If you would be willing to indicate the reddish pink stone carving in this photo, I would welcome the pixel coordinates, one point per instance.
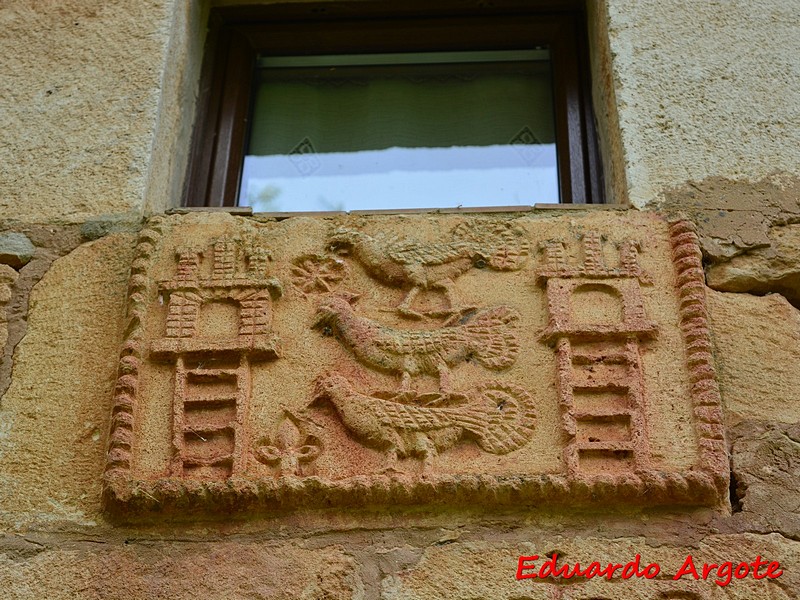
(499, 417)
(212, 376)
(417, 266)
(487, 335)
(599, 359)
(206, 419)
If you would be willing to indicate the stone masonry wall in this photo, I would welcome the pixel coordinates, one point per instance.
(97, 107)
(697, 109)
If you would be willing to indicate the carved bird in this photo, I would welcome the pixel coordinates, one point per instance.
(500, 418)
(488, 336)
(418, 266)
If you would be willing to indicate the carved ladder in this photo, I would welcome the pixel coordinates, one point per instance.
(208, 418)
(608, 423)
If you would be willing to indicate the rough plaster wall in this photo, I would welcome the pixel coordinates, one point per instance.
(705, 88)
(81, 82)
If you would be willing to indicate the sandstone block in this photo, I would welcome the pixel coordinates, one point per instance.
(73, 151)
(734, 217)
(181, 571)
(54, 417)
(775, 268)
(766, 470)
(697, 122)
(757, 347)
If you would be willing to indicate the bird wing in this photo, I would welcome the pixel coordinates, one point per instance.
(408, 252)
(413, 418)
(434, 342)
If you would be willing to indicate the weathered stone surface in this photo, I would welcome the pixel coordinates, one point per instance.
(757, 350)
(51, 243)
(766, 472)
(15, 547)
(415, 360)
(775, 268)
(684, 122)
(16, 249)
(81, 116)
(734, 217)
(95, 229)
(181, 571)
(484, 570)
(54, 417)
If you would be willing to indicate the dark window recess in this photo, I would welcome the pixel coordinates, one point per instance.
(344, 106)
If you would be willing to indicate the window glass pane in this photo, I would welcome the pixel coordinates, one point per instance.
(379, 131)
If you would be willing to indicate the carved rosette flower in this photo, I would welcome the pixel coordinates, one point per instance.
(317, 274)
(291, 446)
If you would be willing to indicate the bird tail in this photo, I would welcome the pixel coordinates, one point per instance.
(502, 418)
(501, 244)
(492, 336)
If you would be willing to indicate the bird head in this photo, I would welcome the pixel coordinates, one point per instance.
(330, 386)
(332, 308)
(343, 240)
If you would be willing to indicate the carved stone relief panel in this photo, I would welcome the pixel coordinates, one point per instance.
(415, 359)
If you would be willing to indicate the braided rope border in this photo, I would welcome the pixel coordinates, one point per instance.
(185, 499)
(116, 478)
(705, 394)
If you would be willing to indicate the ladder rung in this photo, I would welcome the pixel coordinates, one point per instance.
(600, 386)
(209, 428)
(606, 446)
(222, 399)
(603, 414)
(209, 461)
(213, 373)
(600, 359)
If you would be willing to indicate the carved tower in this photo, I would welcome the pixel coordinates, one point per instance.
(597, 323)
(217, 324)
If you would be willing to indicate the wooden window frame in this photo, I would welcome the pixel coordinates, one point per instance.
(237, 35)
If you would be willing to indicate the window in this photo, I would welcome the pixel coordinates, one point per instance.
(344, 106)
